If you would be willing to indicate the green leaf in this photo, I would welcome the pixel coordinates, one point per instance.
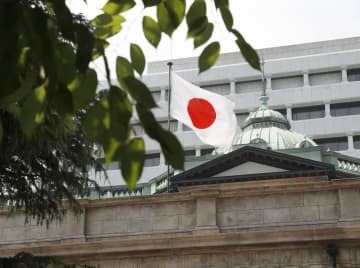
(149, 3)
(120, 113)
(132, 161)
(107, 25)
(111, 147)
(32, 114)
(113, 7)
(227, 17)
(99, 47)
(83, 88)
(123, 68)
(62, 101)
(151, 30)
(209, 56)
(137, 58)
(164, 19)
(221, 3)
(196, 18)
(170, 14)
(138, 90)
(65, 63)
(204, 36)
(198, 27)
(247, 51)
(94, 122)
(25, 87)
(170, 146)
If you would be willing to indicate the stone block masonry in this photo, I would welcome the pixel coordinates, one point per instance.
(259, 224)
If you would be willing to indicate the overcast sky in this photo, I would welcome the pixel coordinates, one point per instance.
(264, 23)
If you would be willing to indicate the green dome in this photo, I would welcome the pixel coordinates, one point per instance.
(271, 128)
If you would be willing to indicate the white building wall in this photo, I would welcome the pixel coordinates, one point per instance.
(297, 76)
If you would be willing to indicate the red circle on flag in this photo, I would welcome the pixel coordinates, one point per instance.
(201, 112)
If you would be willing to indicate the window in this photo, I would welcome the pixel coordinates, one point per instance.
(287, 82)
(248, 86)
(173, 125)
(189, 153)
(310, 112)
(138, 129)
(356, 142)
(112, 166)
(333, 144)
(241, 117)
(186, 128)
(342, 109)
(222, 89)
(325, 78)
(353, 74)
(152, 160)
(156, 95)
(206, 151)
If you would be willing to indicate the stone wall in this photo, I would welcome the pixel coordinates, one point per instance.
(261, 224)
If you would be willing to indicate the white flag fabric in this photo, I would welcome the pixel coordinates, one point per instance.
(210, 115)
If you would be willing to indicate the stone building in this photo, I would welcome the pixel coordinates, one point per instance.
(277, 200)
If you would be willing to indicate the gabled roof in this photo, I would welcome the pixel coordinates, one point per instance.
(252, 163)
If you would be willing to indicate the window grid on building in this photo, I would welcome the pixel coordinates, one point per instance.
(309, 112)
(152, 160)
(353, 74)
(343, 109)
(221, 89)
(356, 140)
(287, 82)
(333, 144)
(325, 78)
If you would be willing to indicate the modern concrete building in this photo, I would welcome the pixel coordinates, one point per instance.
(316, 86)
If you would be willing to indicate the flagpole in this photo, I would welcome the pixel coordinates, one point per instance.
(169, 104)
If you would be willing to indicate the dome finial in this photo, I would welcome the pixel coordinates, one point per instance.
(264, 97)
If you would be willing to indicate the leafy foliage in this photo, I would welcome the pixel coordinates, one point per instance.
(38, 174)
(47, 81)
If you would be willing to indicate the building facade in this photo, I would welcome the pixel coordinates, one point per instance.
(316, 86)
(277, 200)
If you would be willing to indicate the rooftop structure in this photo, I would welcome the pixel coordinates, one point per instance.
(314, 86)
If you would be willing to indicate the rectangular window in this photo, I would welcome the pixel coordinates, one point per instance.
(241, 117)
(173, 125)
(287, 82)
(152, 160)
(221, 89)
(353, 74)
(333, 144)
(138, 129)
(356, 142)
(343, 109)
(325, 78)
(189, 153)
(156, 95)
(248, 86)
(206, 151)
(113, 165)
(310, 112)
(186, 128)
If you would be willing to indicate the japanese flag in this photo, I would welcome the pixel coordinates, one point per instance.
(210, 115)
